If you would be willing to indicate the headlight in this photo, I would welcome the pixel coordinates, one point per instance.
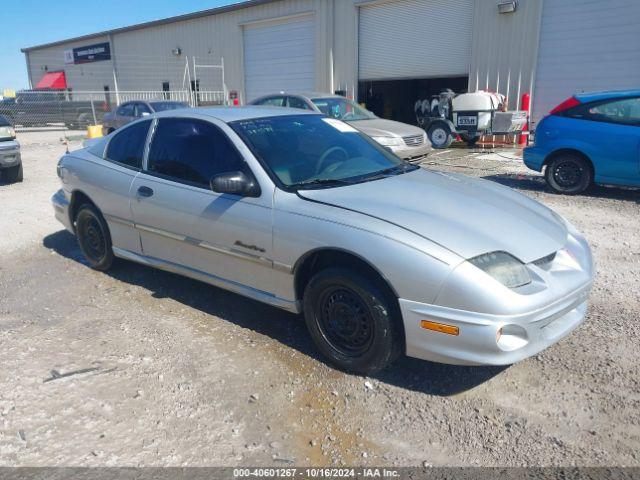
(505, 268)
(389, 141)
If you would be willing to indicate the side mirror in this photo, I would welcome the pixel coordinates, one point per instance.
(145, 114)
(235, 183)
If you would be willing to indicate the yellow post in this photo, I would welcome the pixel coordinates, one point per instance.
(94, 131)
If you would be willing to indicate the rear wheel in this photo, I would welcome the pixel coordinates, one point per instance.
(440, 135)
(352, 321)
(568, 173)
(94, 238)
(13, 174)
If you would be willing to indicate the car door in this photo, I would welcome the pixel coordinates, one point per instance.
(183, 222)
(611, 129)
(109, 182)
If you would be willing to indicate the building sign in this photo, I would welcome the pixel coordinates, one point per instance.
(88, 54)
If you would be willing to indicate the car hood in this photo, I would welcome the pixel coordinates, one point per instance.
(465, 215)
(379, 127)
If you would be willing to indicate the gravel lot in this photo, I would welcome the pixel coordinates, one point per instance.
(140, 367)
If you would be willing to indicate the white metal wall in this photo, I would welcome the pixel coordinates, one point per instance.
(88, 76)
(505, 49)
(586, 46)
(415, 39)
(279, 56)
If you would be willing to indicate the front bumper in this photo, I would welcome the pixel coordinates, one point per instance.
(412, 153)
(10, 154)
(61, 209)
(477, 344)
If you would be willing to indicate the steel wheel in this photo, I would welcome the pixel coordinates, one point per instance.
(568, 173)
(94, 237)
(440, 136)
(353, 320)
(345, 321)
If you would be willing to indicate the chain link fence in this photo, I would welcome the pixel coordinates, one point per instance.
(194, 81)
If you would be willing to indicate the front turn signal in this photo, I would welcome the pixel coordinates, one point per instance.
(440, 327)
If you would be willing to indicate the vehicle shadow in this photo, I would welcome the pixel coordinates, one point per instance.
(286, 328)
(536, 183)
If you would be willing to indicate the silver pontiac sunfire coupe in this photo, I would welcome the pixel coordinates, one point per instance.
(307, 214)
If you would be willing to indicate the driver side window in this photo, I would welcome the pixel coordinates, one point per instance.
(192, 151)
(125, 110)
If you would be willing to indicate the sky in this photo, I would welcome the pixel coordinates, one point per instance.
(33, 22)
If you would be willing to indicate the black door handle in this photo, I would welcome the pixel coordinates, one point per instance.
(145, 191)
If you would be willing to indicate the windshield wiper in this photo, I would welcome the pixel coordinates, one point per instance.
(391, 171)
(320, 181)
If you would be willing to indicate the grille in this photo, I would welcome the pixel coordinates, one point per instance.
(413, 140)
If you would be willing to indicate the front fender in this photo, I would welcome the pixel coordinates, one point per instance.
(414, 267)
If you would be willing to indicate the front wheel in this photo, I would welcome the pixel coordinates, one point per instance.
(94, 238)
(352, 321)
(569, 174)
(440, 135)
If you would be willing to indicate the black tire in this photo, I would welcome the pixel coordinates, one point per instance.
(470, 141)
(440, 135)
(569, 173)
(352, 321)
(93, 237)
(13, 174)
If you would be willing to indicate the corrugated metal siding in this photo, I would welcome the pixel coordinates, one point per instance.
(504, 49)
(415, 39)
(144, 59)
(209, 39)
(586, 46)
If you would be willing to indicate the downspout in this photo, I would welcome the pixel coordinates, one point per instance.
(26, 59)
(114, 68)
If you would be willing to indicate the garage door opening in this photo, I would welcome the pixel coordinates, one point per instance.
(395, 99)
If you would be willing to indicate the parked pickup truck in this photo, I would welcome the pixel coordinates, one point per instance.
(41, 108)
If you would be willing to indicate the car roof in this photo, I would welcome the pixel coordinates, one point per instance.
(605, 95)
(308, 95)
(232, 114)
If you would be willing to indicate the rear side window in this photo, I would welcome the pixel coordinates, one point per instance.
(295, 102)
(192, 151)
(272, 102)
(127, 146)
(624, 111)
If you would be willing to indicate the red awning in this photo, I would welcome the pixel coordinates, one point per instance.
(53, 80)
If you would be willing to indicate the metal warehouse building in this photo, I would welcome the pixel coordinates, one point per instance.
(386, 53)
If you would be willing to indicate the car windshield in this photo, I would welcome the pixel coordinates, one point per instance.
(162, 106)
(4, 122)
(342, 109)
(312, 151)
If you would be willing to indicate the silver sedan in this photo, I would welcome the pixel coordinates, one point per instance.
(406, 141)
(306, 213)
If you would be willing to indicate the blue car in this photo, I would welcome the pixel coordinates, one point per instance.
(589, 138)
